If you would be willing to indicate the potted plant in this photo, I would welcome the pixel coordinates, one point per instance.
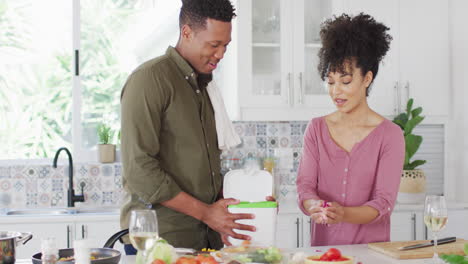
(413, 181)
(106, 150)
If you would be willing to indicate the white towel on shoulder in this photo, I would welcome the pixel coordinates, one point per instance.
(227, 136)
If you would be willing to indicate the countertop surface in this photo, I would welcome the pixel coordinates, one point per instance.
(361, 253)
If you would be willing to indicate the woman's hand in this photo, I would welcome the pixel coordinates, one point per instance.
(316, 210)
(335, 213)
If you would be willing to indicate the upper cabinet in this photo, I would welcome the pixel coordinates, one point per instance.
(417, 65)
(279, 43)
(277, 58)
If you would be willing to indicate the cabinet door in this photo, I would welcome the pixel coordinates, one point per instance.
(403, 226)
(61, 232)
(424, 55)
(383, 97)
(310, 91)
(306, 230)
(97, 232)
(265, 75)
(457, 225)
(288, 231)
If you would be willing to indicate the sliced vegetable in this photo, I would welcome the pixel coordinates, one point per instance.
(331, 255)
(158, 261)
(206, 259)
(187, 260)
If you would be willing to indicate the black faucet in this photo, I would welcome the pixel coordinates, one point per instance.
(72, 198)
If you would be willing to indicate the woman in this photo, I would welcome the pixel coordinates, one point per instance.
(352, 159)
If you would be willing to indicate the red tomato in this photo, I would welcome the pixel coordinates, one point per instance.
(187, 260)
(158, 261)
(331, 254)
(206, 259)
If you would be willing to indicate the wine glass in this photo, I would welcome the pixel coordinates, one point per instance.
(435, 218)
(143, 230)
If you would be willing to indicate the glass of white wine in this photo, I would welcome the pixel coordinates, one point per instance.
(143, 230)
(435, 218)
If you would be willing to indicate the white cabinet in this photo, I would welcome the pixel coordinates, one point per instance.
(97, 232)
(417, 65)
(278, 42)
(288, 231)
(277, 62)
(406, 225)
(306, 230)
(59, 230)
(293, 231)
(65, 229)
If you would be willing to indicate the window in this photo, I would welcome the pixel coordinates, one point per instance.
(44, 105)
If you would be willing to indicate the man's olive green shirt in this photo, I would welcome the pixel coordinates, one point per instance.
(169, 145)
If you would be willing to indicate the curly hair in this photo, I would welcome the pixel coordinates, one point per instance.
(195, 12)
(359, 39)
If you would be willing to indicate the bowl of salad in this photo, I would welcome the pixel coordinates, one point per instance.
(247, 253)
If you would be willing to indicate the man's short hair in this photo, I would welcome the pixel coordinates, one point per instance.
(195, 12)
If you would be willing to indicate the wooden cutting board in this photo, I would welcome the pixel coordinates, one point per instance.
(391, 249)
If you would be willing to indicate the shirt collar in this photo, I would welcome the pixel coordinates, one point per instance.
(185, 67)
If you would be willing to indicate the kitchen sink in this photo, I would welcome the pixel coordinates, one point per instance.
(39, 212)
(97, 210)
(62, 211)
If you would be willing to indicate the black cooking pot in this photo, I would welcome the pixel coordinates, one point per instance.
(102, 255)
(8, 243)
(106, 255)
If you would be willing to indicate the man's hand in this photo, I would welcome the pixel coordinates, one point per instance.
(225, 240)
(335, 213)
(218, 218)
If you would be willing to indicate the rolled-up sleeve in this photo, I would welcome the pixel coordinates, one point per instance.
(143, 104)
(388, 176)
(308, 169)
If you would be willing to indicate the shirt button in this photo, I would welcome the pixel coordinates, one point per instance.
(344, 182)
(208, 145)
(191, 74)
(346, 169)
(343, 195)
(186, 77)
(198, 91)
(212, 173)
(388, 208)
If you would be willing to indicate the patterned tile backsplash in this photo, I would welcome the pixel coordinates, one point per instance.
(43, 186)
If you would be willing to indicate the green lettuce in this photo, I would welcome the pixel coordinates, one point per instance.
(456, 259)
(161, 250)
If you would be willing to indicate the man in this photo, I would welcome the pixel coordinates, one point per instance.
(170, 154)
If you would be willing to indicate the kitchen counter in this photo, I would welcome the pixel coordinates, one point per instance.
(360, 252)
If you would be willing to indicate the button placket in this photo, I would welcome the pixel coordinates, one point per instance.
(345, 179)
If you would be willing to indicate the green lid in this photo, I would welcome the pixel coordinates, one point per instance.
(265, 204)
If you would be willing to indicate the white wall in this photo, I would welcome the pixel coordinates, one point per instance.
(457, 145)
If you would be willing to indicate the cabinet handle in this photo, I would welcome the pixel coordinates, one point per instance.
(83, 232)
(68, 236)
(301, 89)
(396, 102)
(289, 89)
(407, 88)
(413, 218)
(297, 232)
(425, 232)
